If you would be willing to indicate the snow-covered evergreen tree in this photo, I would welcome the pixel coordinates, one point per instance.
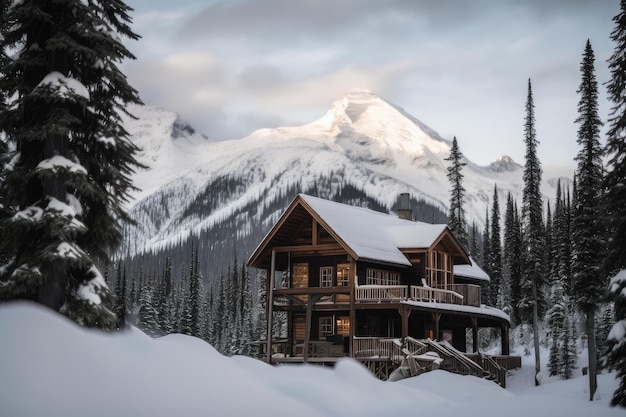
(569, 355)
(69, 176)
(473, 242)
(532, 228)
(495, 253)
(588, 283)
(511, 268)
(556, 316)
(120, 296)
(615, 209)
(456, 216)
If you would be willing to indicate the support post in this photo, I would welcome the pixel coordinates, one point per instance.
(404, 314)
(307, 333)
(352, 283)
(474, 334)
(270, 306)
(436, 318)
(505, 339)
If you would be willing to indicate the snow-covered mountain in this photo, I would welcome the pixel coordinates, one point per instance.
(364, 150)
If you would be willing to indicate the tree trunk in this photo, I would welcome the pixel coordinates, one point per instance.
(536, 332)
(591, 347)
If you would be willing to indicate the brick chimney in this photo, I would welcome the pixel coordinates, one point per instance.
(404, 207)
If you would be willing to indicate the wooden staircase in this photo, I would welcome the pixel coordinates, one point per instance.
(419, 356)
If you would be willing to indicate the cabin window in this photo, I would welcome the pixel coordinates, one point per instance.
(439, 269)
(343, 275)
(381, 277)
(326, 276)
(326, 327)
(300, 276)
(342, 325)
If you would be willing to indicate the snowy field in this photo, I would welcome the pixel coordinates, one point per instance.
(51, 367)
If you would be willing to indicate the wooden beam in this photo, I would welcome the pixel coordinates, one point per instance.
(312, 290)
(307, 330)
(270, 306)
(404, 313)
(436, 318)
(309, 248)
(504, 329)
(474, 321)
(314, 234)
(351, 284)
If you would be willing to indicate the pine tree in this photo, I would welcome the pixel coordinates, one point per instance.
(512, 257)
(495, 253)
(569, 356)
(473, 241)
(120, 295)
(486, 250)
(614, 207)
(485, 287)
(456, 216)
(588, 284)
(148, 313)
(532, 228)
(195, 281)
(164, 302)
(70, 176)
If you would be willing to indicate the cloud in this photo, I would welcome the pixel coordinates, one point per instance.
(230, 67)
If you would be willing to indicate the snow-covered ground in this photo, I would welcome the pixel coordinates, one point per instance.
(51, 367)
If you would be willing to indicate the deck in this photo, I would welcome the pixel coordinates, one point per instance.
(383, 356)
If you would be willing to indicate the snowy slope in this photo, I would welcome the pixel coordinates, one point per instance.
(364, 141)
(52, 367)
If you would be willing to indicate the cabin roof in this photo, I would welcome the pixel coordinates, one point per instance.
(472, 271)
(365, 233)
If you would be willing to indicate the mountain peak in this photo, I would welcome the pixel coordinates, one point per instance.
(347, 109)
(503, 164)
(361, 117)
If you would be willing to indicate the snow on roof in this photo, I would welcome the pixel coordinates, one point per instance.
(483, 309)
(374, 235)
(471, 271)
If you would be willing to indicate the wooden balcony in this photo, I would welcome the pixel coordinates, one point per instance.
(380, 293)
(435, 295)
(459, 294)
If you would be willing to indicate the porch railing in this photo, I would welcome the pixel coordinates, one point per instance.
(375, 347)
(430, 294)
(470, 293)
(380, 293)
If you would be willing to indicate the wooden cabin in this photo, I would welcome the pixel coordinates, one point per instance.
(351, 281)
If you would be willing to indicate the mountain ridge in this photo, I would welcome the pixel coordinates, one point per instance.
(364, 150)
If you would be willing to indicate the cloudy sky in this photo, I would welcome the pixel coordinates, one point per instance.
(229, 67)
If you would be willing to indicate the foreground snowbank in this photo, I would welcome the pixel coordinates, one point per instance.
(49, 366)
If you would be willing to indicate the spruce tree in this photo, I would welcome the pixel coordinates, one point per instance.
(120, 295)
(532, 224)
(588, 284)
(614, 207)
(70, 173)
(495, 253)
(569, 356)
(512, 257)
(485, 287)
(456, 216)
(473, 241)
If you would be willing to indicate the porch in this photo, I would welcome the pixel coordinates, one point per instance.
(384, 355)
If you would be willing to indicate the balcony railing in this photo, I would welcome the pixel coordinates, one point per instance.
(380, 293)
(459, 294)
(435, 295)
